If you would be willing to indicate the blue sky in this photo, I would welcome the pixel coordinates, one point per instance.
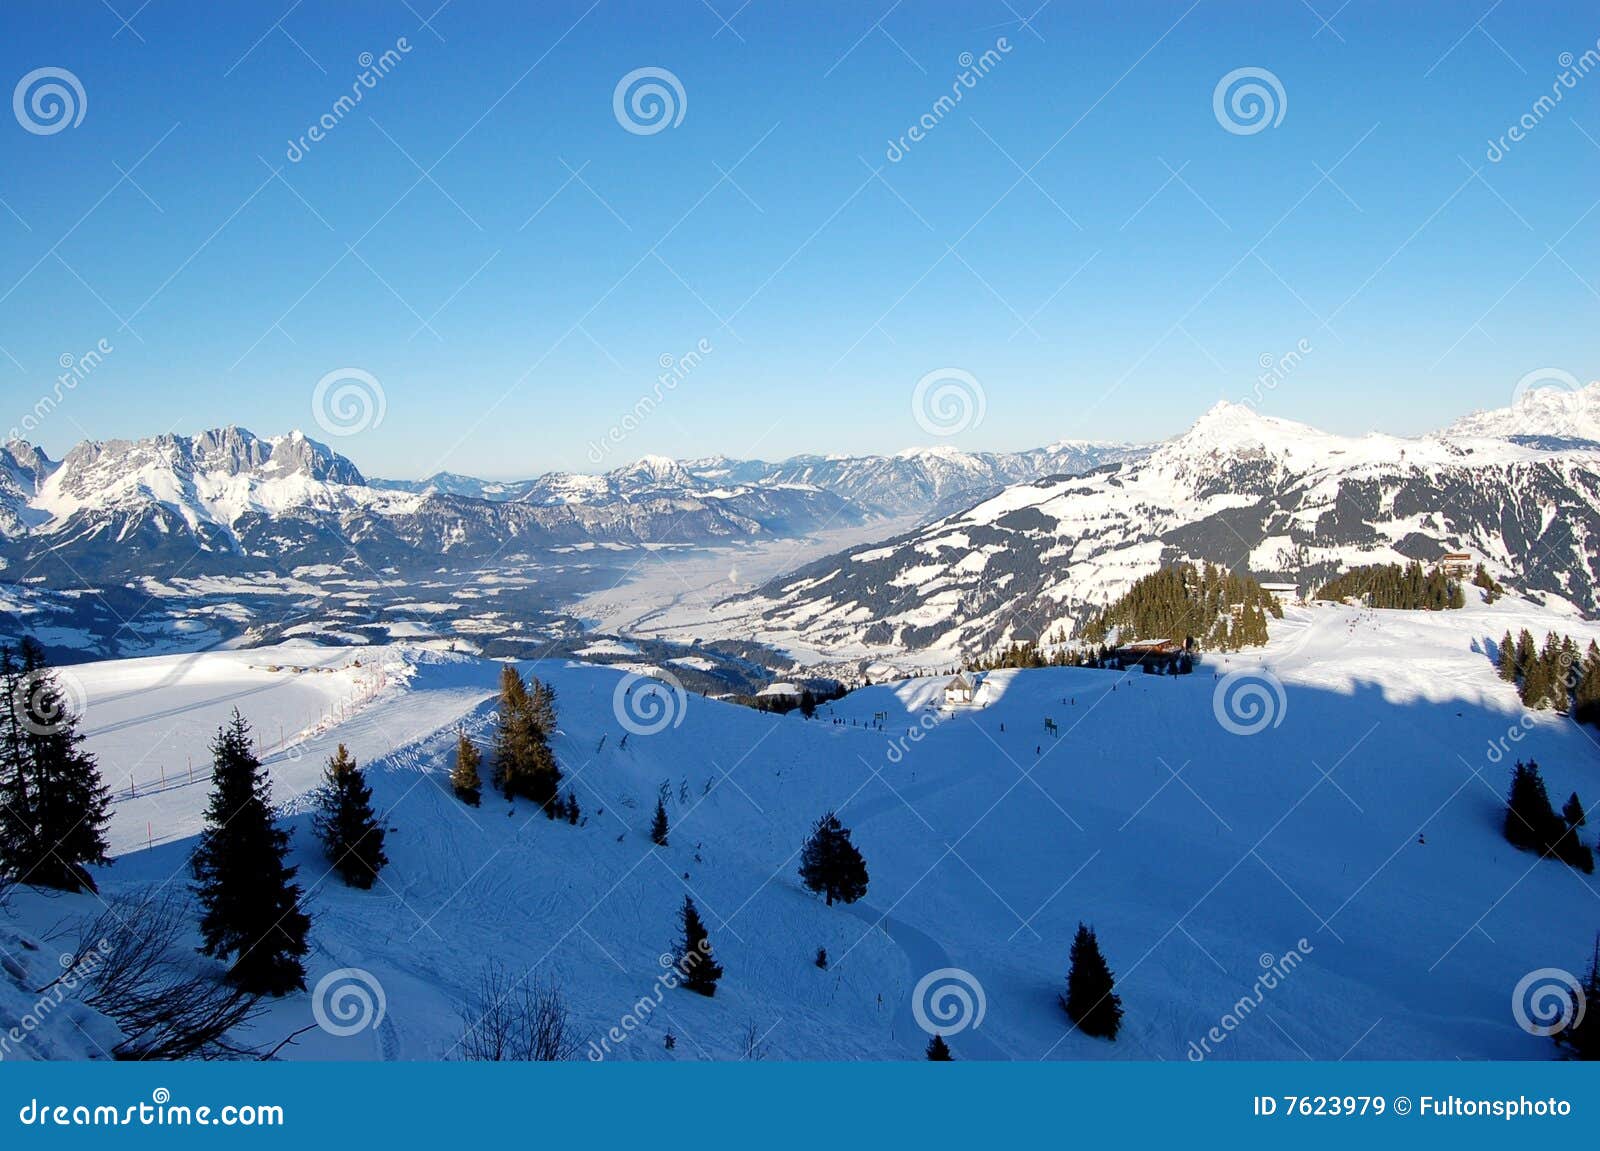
(1080, 234)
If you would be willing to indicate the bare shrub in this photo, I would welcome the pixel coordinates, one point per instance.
(135, 968)
(517, 1020)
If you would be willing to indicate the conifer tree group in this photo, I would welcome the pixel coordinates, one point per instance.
(1553, 675)
(54, 807)
(1392, 586)
(346, 825)
(1532, 824)
(831, 864)
(938, 1051)
(1091, 1001)
(1196, 606)
(250, 903)
(524, 765)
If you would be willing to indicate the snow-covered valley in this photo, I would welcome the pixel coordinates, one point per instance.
(1358, 829)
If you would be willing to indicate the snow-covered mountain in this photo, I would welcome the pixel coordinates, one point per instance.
(227, 501)
(1542, 413)
(23, 471)
(1268, 495)
(942, 479)
(917, 481)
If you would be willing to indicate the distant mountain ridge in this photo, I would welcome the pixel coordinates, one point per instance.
(226, 501)
(911, 482)
(1258, 493)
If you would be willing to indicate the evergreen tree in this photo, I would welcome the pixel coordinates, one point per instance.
(1572, 811)
(658, 825)
(1508, 660)
(464, 779)
(1392, 586)
(250, 904)
(1530, 823)
(18, 834)
(523, 762)
(1091, 1001)
(1182, 603)
(1525, 653)
(938, 1050)
(55, 805)
(346, 825)
(696, 963)
(830, 863)
(542, 704)
(1583, 1036)
(1586, 699)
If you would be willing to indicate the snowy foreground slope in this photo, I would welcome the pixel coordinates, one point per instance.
(1196, 852)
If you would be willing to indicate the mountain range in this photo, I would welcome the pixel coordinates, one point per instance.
(228, 501)
(1009, 545)
(1518, 489)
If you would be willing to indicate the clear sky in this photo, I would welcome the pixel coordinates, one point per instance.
(1081, 234)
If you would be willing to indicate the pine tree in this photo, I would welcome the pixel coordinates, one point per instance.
(56, 806)
(346, 825)
(1572, 811)
(18, 835)
(524, 765)
(938, 1050)
(1091, 1001)
(1583, 1036)
(696, 963)
(1530, 823)
(658, 825)
(250, 904)
(1508, 660)
(830, 863)
(542, 706)
(464, 779)
(1586, 700)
